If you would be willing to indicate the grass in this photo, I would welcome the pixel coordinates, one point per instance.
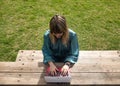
(23, 23)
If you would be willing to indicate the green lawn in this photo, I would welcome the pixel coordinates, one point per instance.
(23, 23)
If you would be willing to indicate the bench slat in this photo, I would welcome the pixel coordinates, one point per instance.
(77, 78)
(22, 78)
(95, 78)
(36, 55)
(108, 60)
(39, 67)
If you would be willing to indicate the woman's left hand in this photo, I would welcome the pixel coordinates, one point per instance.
(64, 70)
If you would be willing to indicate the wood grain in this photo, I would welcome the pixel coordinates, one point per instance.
(92, 68)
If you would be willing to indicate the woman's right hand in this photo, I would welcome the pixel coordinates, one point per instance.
(53, 69)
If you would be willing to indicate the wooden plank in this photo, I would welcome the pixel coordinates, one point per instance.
(98, 54)
(109, 54)
(94, 60)
(77, 78)
(24, 53)
(39, 67)
(21, 67)
(97, 67)
(36, 55)
(95, 78)
(22, 78)
(29, 55)
(99, 60)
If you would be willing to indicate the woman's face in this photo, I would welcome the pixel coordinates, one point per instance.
(58, 35)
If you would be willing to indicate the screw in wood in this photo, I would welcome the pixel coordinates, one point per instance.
(33, 51)
(22, 63)
(18, 80)
(21, 68)
(20, 75)
(19, 59)
(21, 51)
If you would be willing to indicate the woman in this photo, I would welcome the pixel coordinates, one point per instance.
(60, 45)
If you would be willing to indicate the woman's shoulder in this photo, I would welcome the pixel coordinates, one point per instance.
(72, 33)
(47, 33)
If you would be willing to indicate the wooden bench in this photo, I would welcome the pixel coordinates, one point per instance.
(92, 68)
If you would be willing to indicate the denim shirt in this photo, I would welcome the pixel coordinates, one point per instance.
(58, 52)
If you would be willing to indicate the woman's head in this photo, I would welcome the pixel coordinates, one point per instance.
(58, 28)
(58, 24)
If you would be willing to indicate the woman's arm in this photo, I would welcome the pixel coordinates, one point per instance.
(47, 53)
(74, 50)
(72, 55)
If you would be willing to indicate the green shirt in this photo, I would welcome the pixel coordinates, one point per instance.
(58, 52)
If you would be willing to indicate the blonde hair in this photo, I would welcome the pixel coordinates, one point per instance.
(58, 25)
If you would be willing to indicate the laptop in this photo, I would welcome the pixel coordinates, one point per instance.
(58, 78)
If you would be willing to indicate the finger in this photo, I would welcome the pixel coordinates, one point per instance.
(55, 72)
(62, 72)
(52, 73)
(49, 73)
(65, 72)
(56, 69)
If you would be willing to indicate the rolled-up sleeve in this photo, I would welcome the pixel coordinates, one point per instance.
(74, 50)
(47, 53)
